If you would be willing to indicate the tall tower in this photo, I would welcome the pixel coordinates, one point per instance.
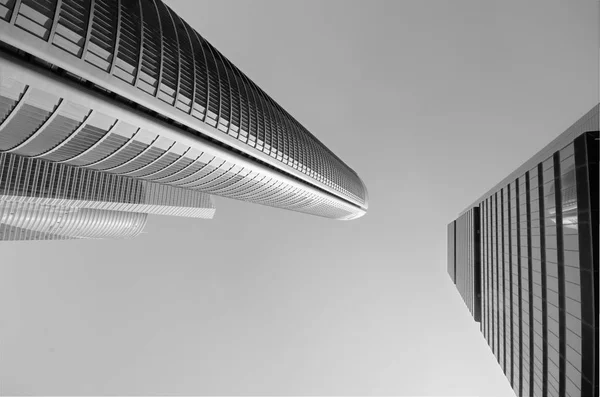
(127, 89)
(524, 258)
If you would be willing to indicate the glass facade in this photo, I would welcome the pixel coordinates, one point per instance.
(463, 249)
(539, 267)
(452, 250)
(582, 314)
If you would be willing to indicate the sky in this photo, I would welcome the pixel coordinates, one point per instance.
(430, 102)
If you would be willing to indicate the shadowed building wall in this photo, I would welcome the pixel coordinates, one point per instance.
(464, 259)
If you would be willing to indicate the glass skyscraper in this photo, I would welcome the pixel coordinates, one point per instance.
(126, 88)
(524, 258)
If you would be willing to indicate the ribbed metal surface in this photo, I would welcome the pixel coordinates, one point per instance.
(36, 17)
(52, 128)
(28, 180)
(102, 34)
(6, 9)
(121, 156)
(102, 150)
(71, 27)
(9, 98)
(64, 122)
(182, 162)
(147, 45)
(87, 137)
(33, 221)
(160, 163)
(30, 115)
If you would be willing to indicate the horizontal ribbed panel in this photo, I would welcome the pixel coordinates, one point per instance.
(72, 25)
(36, 16)
(205, 175)
(105, 148)
(101, 45)
(184, 174)
(6, 9)
(141, 161)
(10, 95)
(32, 221)
(28, 180)
(87, 137)
(181, 164)
(23, 125)
(165, 161)
(64, 123)
(127, 153)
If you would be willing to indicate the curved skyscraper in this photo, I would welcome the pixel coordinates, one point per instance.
(127, 87)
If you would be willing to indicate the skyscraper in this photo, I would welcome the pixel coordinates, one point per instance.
(128, 88)
(524, 257)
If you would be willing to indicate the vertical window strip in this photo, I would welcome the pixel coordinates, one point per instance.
(477, 262)
(509, 282)
(501, 269)
(494, 320)
(586, 174)
(487, 273)
(500, 276)
(542, 227)
(530, 285)
(535, 254)
(561, 273)
(516, 244)
(496, 274)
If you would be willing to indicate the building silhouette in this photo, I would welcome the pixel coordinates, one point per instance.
(524, 258)
(127, 88)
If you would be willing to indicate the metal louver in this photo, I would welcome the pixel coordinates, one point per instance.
(101, 45)
(36, 17)
(71, 27)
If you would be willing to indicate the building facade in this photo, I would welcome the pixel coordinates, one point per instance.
(527, 251)
(128, 88)
(43, 200)
(31, 180)
(33, 221)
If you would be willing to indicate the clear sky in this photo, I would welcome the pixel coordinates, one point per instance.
(431, 102)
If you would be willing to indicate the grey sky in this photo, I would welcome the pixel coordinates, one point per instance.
(431, 102)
